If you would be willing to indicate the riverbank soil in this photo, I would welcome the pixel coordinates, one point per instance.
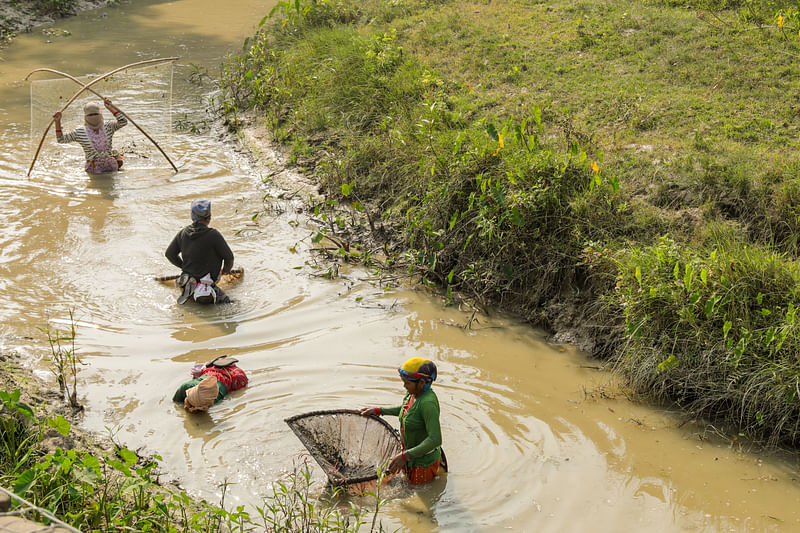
(622, 174)
(22, 16)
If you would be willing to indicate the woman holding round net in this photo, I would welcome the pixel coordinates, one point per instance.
(422, 456)
(95, 137)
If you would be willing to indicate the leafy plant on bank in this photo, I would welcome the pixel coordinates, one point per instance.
(64, 361)
(715, 330)
(16, 437)
(83, 490)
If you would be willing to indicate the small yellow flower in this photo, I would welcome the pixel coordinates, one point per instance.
(500, 144)
(780, 21)
(595, 167)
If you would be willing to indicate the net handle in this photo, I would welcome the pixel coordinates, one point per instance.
(87, 87)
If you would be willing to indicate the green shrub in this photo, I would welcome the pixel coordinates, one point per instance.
(714, 330)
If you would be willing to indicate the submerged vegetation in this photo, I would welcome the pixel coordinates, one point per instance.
(627, 168)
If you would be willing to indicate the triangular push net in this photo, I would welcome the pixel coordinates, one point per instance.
(144, 93)
(348, 446)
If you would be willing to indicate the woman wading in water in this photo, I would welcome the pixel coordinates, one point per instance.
(422, 456)
(95, 137)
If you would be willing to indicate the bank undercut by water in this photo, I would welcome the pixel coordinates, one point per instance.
(623, 168)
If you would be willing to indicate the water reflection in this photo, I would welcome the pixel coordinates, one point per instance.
(198, 323)
(198, 426)
(105, 184)
(423, 505)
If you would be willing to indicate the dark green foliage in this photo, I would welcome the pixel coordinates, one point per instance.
(717, 332)
(16, 435)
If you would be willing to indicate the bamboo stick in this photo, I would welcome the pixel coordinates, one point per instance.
(87, 87)
(235, 271)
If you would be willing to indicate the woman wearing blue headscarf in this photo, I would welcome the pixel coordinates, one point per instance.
(422, 455)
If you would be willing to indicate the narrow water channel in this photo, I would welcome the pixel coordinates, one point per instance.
(533, 441)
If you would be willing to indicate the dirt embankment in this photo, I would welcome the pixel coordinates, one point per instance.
(46, 401)
(23, 16)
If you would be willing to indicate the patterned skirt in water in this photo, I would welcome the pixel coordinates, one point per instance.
(102, 165)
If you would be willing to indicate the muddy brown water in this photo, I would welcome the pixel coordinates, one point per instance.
(529, 449)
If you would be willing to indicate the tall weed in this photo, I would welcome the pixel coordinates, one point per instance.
(64, 360)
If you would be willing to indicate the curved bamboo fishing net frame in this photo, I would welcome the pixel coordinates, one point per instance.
(145, 86)
(349, 447)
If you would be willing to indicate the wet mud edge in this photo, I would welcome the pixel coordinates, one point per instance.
(571, 319)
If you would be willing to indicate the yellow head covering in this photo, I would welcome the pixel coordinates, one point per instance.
(413, 364)
(418, 368)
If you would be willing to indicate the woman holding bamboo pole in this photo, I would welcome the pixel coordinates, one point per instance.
(95, 137)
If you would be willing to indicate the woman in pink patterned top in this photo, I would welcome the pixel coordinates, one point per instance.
(95, 137)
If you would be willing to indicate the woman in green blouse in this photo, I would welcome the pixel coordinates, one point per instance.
(420, 431)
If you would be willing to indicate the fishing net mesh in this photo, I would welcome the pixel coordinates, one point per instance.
(349, 447)
(144, 93)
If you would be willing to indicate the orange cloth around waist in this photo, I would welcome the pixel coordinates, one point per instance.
(418, 475)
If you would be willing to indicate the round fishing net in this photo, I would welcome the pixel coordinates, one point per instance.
(144, 93)
(349, 447)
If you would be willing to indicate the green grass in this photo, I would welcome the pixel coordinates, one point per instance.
(530, 153)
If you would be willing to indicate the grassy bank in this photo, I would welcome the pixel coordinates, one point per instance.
(631, 162)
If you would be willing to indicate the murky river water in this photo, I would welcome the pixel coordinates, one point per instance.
(529, 450)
